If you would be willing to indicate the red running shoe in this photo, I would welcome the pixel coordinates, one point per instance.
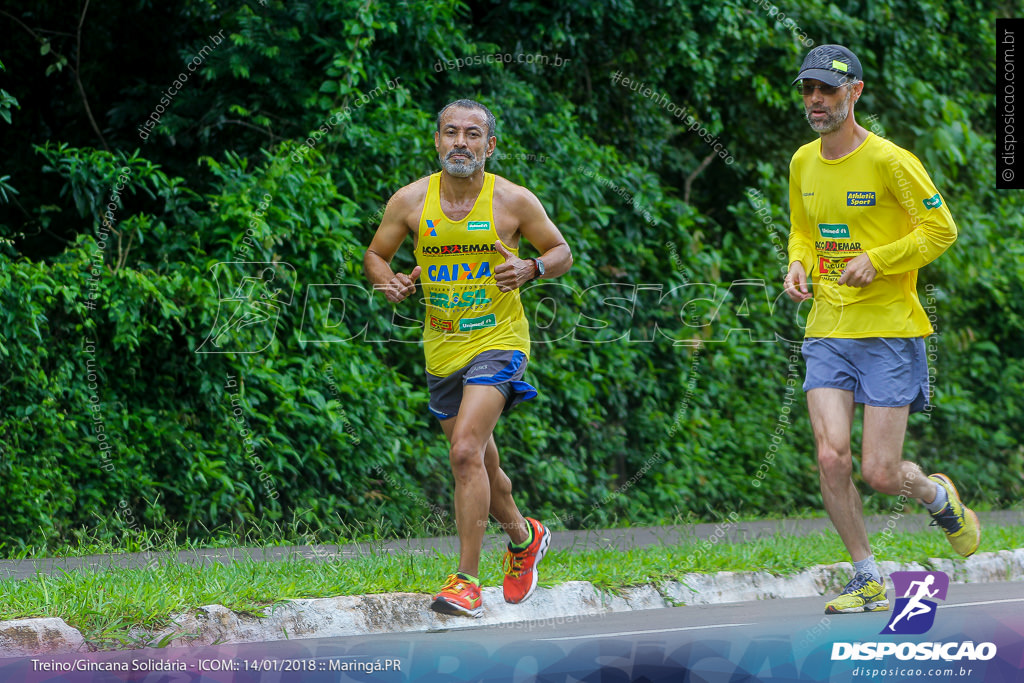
(521, 567)
(458, 597)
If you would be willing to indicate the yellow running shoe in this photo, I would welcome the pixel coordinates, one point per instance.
(862, 594)
(963, 530)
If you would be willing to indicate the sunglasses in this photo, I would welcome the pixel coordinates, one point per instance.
(807, 89)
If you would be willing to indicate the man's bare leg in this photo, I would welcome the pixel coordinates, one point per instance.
(883, 465)
(503, 506)
(831, 412)
(469, 434)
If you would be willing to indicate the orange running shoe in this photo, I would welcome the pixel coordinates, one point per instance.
(521, 566)
(459, 597)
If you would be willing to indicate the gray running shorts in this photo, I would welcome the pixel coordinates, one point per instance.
(888, 372)
(501, 369)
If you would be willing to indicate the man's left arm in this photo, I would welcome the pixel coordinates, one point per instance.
(538, 229)
(934, 230)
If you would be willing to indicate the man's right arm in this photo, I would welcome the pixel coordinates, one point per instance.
(801, 246)
(388, 238)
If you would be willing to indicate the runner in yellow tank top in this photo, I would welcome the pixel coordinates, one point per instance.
(466, 225)
(466, 312)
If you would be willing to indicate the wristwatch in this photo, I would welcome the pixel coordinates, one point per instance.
(540, 268)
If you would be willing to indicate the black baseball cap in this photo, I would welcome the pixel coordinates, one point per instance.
(831, 64)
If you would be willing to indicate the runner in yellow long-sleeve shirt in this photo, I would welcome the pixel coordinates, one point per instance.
(466, 225)
(865, 216)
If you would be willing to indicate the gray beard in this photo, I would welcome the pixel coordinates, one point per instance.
(835, 118)
(463, 169)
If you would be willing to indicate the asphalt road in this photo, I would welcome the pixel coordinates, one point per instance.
(770, 641)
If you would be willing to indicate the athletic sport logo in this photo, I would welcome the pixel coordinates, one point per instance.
(933, 202)
(914, 613)
(860, 198)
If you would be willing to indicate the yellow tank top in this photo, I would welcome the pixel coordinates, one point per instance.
(466, 312)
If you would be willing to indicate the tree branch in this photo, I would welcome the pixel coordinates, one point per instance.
(78, 77)
(693, 176)
(74, 69)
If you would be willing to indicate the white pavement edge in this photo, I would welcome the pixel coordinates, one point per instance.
(565, 603)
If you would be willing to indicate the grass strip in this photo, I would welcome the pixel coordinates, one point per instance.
(113, 608)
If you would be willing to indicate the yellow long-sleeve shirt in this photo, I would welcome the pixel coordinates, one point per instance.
(877, 199)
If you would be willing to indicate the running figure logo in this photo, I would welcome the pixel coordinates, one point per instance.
(259, 292)
(913, 613)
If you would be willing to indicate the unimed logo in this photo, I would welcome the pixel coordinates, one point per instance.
(834, 230)
(914, 614)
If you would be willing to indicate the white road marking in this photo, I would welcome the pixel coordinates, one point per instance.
(639, 633)
(983, 602)
(697, 628)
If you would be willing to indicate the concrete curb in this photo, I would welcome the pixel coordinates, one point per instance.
(21, 637)
(565, 603)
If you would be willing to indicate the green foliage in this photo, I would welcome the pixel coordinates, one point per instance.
(662, 358)
(7, 102)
